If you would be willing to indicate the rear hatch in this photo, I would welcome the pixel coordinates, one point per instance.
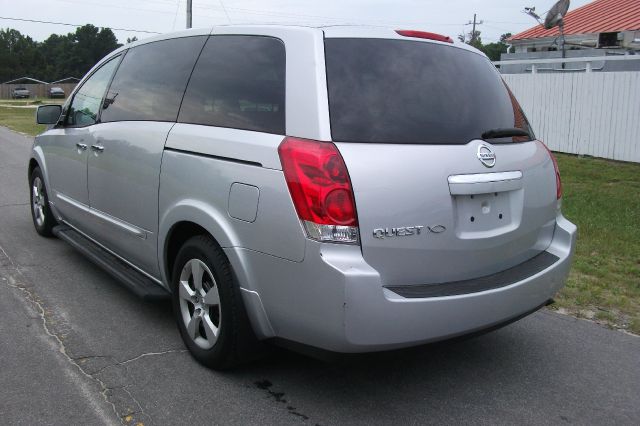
(435, 201)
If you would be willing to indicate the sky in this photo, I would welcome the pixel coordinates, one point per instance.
(134, 17)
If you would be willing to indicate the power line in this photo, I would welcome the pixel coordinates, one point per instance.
(84, 3)
(506, 22)
(173, 26)
(225, 11)
(283, 14)
(496, 28)
(75, 25)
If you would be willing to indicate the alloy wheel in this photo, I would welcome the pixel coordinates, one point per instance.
(38, 201)
(200, 303)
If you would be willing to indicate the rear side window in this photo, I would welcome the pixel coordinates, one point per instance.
(238, 82)
(151, 80)
(397, 91)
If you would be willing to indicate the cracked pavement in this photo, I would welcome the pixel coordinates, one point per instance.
(77, 348)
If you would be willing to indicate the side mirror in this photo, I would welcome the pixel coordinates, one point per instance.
(48, 114)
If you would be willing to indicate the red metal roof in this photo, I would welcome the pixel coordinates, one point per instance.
(600, 16)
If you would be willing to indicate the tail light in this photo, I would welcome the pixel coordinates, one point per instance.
(320, 189)
(557, 170)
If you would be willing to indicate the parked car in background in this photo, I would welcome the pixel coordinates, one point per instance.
(56, 92)
(20, 93)
(368, 190)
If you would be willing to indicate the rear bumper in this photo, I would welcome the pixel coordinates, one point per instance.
(335, 301)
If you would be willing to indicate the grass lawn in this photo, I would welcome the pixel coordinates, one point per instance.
(603, 198)
(20, 119)
(30, 101)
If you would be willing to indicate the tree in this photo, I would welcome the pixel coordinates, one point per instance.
(55, 51)
(472, 38)
(492, 50)
(495, 50)
(90, 44)
(475, 40)
(132, 39)
(57, 57)
(18, 55)
(505, 37)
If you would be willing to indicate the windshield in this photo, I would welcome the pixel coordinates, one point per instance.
(397, 91)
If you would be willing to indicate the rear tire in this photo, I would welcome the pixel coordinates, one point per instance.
(208, 305)
(41, 214)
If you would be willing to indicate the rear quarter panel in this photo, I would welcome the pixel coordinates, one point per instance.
(195, 187)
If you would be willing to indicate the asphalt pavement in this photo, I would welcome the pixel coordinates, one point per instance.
(77, 348)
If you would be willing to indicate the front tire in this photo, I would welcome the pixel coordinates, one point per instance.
(41, 214)
(208, 306)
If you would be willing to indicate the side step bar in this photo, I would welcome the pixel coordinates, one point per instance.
(134, 280)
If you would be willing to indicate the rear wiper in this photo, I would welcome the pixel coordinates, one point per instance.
(504, 133)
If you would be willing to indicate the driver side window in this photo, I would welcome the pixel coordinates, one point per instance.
(88, 100)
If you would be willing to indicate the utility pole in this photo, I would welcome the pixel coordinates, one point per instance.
(473, 32)
(474, 23)
(189, 14)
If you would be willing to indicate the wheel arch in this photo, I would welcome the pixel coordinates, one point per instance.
(189, 218)
(33, 163)
(179, 234)
(183, 221)
(38, 160)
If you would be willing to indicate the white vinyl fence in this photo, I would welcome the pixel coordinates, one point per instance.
(592, 113)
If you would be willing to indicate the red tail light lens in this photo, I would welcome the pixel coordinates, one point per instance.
(425, 34)
(320, 189)
(557, 170)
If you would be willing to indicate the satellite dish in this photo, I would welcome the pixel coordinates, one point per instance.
(556, 14)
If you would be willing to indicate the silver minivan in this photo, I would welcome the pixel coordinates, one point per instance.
(347, 189)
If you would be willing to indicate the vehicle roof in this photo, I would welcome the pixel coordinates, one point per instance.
(330, 31)
(278, 30)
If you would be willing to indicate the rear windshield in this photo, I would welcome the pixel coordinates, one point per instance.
(396, 91)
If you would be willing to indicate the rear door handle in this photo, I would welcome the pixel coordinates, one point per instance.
(81, 146)
(97, 148)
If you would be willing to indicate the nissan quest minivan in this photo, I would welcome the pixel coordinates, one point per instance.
(348, 189)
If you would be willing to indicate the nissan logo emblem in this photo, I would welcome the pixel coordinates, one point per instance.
(486, 156)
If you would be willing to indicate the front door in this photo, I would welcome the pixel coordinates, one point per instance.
(66, 148)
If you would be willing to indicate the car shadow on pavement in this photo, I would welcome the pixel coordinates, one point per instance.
(458, 372)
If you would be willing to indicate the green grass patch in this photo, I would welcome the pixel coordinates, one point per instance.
(30, 101)
(602, 197)
(21, 120)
